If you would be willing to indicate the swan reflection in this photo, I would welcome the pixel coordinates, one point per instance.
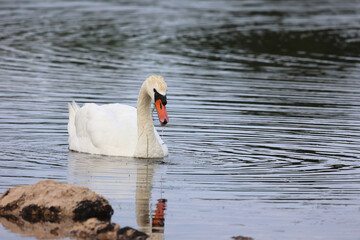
(126, 181)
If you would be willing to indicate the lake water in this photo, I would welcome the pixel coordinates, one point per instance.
(263, 101)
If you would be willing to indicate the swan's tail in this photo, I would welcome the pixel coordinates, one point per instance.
(73, 108)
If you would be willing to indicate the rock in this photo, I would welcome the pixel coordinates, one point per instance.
(50, 201)
(50, 209)
(106, 230)
(242, 238)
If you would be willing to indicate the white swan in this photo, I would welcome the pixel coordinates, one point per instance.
(121, 130)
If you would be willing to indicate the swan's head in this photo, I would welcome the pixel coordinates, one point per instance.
(156, 88)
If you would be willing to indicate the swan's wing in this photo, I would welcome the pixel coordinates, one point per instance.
(107, 129)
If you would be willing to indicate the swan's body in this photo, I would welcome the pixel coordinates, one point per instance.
(120, 130)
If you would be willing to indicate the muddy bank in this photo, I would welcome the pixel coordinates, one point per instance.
(50, 209)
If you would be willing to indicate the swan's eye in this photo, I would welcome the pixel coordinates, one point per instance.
(161, 97)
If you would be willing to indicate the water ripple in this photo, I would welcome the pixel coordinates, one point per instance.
(264, 100)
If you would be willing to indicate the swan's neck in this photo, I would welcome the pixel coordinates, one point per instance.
(147, 146)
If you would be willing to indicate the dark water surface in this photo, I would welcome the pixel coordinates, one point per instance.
(263, 100)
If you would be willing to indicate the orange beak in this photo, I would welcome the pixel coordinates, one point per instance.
(161, 110)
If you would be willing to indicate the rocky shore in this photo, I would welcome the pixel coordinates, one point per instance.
(54, 210)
